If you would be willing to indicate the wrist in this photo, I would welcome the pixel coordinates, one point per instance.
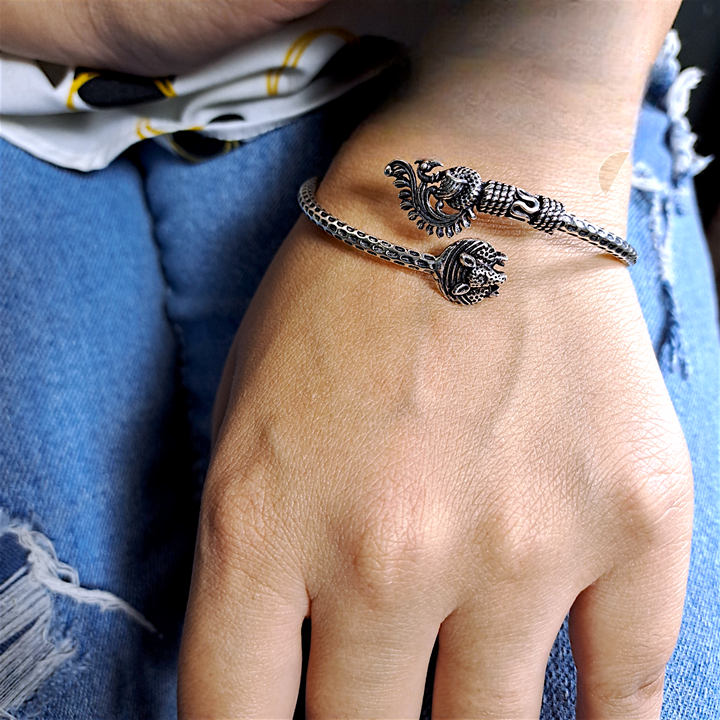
(526, 94)
(515, 117)
(338, 294)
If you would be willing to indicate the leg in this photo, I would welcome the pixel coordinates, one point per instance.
(91, 454)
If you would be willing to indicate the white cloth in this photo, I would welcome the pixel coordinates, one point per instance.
(263, 84)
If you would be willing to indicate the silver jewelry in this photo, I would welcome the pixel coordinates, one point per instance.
(465, 271)
(463, 190)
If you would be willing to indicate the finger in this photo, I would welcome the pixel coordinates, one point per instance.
(367, 661)
(241, 653)
(492, 657)
(623, 630)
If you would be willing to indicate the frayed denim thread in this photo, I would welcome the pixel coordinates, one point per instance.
(662, 199)
(669, 89)
(29, 650)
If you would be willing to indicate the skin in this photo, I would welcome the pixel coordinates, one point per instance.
(141, 37)
(395, 467)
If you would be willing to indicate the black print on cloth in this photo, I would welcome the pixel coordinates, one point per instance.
(194, 147)
(108, 89)
(53, 72)
(360, 56)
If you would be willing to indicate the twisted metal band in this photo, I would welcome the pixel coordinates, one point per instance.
(463, 190)
(465, 271)
(424, 262)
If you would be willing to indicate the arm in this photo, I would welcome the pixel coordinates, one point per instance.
(394, 466)
(143, 38)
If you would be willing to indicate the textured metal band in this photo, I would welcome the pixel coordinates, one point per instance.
(465, 193)
(424, 262)
(465, 271)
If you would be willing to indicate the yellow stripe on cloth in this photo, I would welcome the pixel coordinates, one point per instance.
(77, 83)
(190, 157)
(145, 130)
(296, 50)
(165, 87)
(143, 126)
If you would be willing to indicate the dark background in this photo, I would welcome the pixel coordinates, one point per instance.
(698, 24)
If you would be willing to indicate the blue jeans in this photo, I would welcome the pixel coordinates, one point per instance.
(120, 293)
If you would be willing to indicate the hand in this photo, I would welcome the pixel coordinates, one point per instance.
(393, 467)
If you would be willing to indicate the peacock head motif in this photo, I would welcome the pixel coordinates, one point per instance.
(439, 202)
(459, 187)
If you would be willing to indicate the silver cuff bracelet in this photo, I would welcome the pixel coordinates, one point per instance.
(465, 271)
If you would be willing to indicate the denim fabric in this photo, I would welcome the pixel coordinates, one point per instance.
(92, 437)
(120, 293)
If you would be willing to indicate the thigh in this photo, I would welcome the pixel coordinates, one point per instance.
(96, 516)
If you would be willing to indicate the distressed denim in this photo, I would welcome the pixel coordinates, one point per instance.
(120, 294)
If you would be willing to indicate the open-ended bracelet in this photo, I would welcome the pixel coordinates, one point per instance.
(465, 270)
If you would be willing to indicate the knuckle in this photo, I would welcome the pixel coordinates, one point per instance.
(392, 540)
(653, 495)
(658, 509)
(514, 545)
(240, 524)
(226, 532)
(640, 696)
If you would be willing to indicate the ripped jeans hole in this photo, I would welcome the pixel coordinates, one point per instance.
(30, 576)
